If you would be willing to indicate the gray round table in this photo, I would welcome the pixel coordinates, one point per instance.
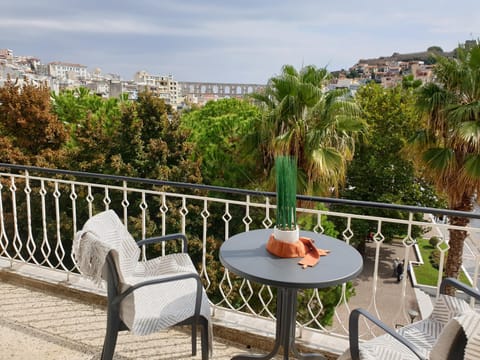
(245, 254)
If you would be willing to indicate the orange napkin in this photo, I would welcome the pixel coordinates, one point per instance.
(313, 254)
(303, 248)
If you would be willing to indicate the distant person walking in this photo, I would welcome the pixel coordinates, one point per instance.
(399, 271)
(395, 265)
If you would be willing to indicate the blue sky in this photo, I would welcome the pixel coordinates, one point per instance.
(244, 41)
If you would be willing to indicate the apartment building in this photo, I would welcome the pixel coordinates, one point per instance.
(67, 71)
(165, 87)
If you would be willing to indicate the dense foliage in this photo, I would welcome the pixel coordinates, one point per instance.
(217, 130)
(379, 171)
(30, 133)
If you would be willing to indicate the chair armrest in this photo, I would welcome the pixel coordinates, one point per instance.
(182, 276)
(157, 239)
(353, 333)
(460, 286)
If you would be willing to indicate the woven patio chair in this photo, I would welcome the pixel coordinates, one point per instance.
(143, 296)
(451, 332)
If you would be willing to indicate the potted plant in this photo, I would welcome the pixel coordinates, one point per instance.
(286, 228)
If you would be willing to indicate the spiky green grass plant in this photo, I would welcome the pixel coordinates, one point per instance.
(286, 176)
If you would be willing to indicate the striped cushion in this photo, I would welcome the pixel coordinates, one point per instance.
(385, 347)
(423, 334)
(160, 306)
(168, 264)
(447, 307)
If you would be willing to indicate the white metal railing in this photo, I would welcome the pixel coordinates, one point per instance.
(41, 209)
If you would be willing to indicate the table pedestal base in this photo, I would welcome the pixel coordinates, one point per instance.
(285, 329)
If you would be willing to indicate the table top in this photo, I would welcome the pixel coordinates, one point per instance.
(245, 254)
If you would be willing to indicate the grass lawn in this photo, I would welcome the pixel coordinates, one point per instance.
(426, 274)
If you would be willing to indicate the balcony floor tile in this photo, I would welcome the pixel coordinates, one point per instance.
(38, 325)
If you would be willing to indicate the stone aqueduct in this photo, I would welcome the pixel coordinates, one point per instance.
(201, 89)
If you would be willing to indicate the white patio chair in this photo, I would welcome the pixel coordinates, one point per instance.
(451, 332)
(143, 296)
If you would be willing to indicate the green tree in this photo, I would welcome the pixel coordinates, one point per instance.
(91, 147)
(303, 120)
(377, 167)
(167, 153)
(408, 82)
(148, 141)
(448, 146)
(379, 172)
(73, 105)
(154, 113)
(76, 107)
(217, 130)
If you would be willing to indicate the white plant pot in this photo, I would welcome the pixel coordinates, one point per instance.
(288, 236)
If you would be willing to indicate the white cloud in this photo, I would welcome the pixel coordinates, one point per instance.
(88, 26)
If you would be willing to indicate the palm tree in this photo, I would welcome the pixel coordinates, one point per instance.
(302, 120)
(449, 143)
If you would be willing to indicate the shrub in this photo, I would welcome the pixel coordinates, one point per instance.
(435, 258)
(434, 241)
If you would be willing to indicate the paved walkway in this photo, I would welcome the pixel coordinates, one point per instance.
(388, 299)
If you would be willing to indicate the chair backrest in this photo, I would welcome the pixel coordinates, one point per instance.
(460, 336)
(107, 228)
(447, 307)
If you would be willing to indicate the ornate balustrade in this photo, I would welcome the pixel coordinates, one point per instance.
(41, 209)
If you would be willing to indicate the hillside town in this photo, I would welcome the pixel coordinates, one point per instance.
(387, 71)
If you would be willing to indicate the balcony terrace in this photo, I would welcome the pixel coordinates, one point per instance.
(50, 312)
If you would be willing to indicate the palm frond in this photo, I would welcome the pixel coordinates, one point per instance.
(325, 161)
(467, 136)
(347, 123)
(439, 159)
(464, 112)
(472, 167)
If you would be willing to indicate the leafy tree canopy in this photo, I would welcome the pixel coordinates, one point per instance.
(30, 133)
(218, 130)
(116, 136)
(378, 171)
